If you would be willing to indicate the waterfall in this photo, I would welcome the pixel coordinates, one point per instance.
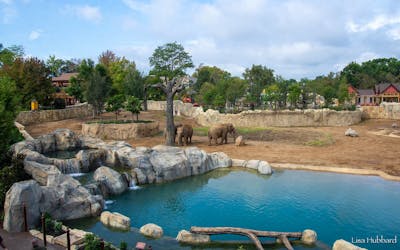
(132, 185)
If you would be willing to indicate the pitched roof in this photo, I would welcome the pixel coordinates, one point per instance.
(366, 92)
(64, 77)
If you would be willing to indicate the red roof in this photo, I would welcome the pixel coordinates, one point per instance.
(64, 77)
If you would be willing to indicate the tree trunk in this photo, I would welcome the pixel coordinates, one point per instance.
(145, 99)
(137, 117)
(170, 127)
(252, 234)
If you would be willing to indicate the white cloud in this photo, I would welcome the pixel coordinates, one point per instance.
(87, 12)
(394, 34)
(377, 23)
(35, 34)
(366, 56)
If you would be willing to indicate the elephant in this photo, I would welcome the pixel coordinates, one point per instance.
(221, 131)
(175, 132)
(185, 132)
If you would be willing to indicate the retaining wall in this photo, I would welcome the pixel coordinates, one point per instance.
(387, 110)
(120, 131)
(264, 118)
(76, 111)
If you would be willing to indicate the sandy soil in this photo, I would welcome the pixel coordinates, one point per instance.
(319, 146)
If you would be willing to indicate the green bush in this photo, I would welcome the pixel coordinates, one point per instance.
(9, 175)
(53, 227)
(123, 246)
(59, 103)
(92, 242)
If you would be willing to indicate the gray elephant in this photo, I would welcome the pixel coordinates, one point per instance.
(185, 132)
(175, 132)
(221, 131)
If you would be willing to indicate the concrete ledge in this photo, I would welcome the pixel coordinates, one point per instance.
(122, 131)
(357, 171)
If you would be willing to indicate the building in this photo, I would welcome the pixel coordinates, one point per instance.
(61, 82)
(383, 92)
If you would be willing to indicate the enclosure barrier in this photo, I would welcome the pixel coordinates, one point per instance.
(252, 234)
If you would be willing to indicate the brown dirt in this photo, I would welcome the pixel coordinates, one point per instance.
(321, 146)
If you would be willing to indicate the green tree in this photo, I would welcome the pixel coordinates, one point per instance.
(32, 80)
(55, 65)
(170, 62)
(134, 83)
(115, 104)
(206, 94)
(75, 88)
(8, 55)
(98, 88)
(258, 78)
(9, 108)
(133, 105)
(272, 95)
(294, 92)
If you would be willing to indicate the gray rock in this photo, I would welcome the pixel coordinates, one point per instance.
(187, 237)
(152, 230)
(115, 220)
(47, 142)
(238, 163)
(196, 160)
(111, 182)
(66, 139)
(253, 164)
(351, 132)
(394, 125)
(65, 198)
(345, 245)
(218, 160)
(91, 159)
(169, 163)
(68, 166)
(20, 193)
(40, 172)
(264, 168)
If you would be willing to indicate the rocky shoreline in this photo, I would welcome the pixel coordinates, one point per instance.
(55, 192)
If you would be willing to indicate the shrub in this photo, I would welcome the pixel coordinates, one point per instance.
(59, 103)
(9, 175)
(123, 246)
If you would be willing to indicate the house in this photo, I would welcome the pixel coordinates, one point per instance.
(383, 92)
(61, 83)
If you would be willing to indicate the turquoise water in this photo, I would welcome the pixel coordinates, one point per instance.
(334, 205)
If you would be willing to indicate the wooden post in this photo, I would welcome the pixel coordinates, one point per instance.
(101, 244)
(44, 230)
(286, 242)
(68, 240)
(25, 219)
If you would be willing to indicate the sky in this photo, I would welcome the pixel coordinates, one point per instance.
(297, 39)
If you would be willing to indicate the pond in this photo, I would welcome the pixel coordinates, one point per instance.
(336, 206)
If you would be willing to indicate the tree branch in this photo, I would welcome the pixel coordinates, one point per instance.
(161, 86)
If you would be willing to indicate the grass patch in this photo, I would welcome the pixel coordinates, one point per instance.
(200, 131)
(324, 140)
(118, 121)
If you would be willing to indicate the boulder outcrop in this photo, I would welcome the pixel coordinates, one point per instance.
(110, 181)
(152, 230)
(345, 245)
(187, 237)
(115, 220)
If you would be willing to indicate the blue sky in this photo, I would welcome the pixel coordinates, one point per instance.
(295, 38)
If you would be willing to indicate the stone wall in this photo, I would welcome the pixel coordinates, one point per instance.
(264, 118)
(76, 111)
(386, 110)
(120, 131)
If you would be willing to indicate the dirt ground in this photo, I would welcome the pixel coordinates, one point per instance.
(320, 146)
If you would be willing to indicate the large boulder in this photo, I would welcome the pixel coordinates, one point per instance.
(65, 198)
(218, 160)
(187, 237)
(264, 168)
(26, 193)
(309, 237)
(197, 160)
(169, 163)
(111, 182)
(345, 245)
(66, 139)
(91, 159)
(40, 172)
(152, 230)
(115, 220)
